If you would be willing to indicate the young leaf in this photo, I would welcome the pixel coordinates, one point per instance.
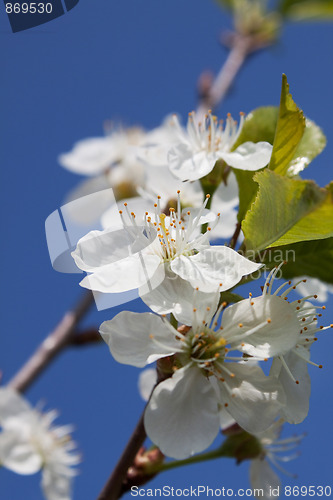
(289, 131)
(317, 224)
(303, 10)
(281, 204)
(310, 146)
(259, 125)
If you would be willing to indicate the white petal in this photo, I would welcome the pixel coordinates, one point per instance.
(187, 165)
(83, 209)
(298, 395)
(90, 156)
(18, 454)
(56, 486)
(182, 415)
(126, 274)
(226, 226)
(253, 399)
(12, 404)
(157, 143)
(147, 381)
(226, 420)
(249, 156)
(263, 477)
(273, 322)
(138, 338)
(212, 266)
(100, 248)
(175, 295)
(226, 195)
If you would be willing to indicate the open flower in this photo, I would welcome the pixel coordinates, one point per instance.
(200, 145)
(30, 442)
(109, 162)
(183, 414)
(166, 257)
(159, 182)
(292, 368)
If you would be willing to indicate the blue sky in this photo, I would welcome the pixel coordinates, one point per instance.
(136, 61)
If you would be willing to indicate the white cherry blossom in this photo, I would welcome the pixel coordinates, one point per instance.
(109, 162)
(95, 155)
(165, 258)
(29, 442)
(200, 145)
(183, 414)
(292, 367)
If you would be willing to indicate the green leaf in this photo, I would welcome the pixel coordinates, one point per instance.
(317, 224)
(277, 214)
(289, 131)
(310, 146)
(247, 190)
(309, 258)
(304, 10)
(259, 125)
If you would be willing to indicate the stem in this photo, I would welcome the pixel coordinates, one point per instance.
(112, 488)
(241, 47)
(210, 455)
(52, 345)
(234, 238)
(86, 337)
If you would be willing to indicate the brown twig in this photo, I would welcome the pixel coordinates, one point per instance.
(86, 337)
(234, 237)
(241, 47)
(113, 488)
(52, 345)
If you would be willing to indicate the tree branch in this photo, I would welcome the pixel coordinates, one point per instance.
(241, 47)
(113, 487)
(52, 345)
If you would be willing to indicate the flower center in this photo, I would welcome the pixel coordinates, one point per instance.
(174, 232)
(210, 136)
(207, 349)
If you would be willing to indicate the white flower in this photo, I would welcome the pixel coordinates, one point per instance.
(290, 330)
(183, 414)
(29, 442)
(262, 476)
(165, 258)
(98, 154)
(200, 145)
(310, 286)
(292, 367)
(159, 182)
(110, 162)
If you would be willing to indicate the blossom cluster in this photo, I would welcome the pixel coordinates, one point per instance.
(245, 362)
(221, 359)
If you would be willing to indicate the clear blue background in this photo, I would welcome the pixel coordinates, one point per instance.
(136, 60)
